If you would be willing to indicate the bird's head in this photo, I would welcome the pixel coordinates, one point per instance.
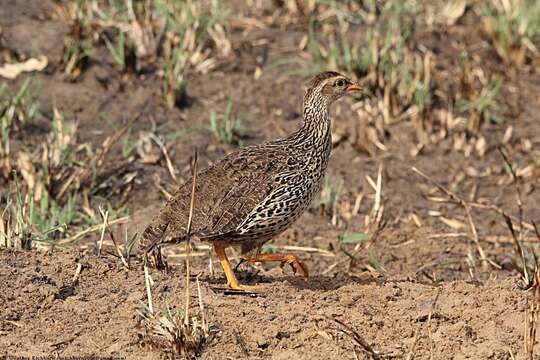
(331, 86)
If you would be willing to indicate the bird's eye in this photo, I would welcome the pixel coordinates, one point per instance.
(340, 82)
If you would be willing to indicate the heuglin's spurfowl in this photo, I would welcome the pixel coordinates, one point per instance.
(255, 193)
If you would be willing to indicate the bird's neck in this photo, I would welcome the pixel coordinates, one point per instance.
(315, 131)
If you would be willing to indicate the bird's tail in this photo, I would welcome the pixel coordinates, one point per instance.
(153, 235)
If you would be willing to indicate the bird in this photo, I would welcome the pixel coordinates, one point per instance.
(255, 193)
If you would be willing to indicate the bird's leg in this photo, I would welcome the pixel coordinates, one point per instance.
(232, 282)
(153, 256)
(296, 264)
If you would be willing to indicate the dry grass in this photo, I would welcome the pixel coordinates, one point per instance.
(180, 332)
(174, 40)
(49, 197)
(176, 332)
(514, 28)
(177, 37)
(399, 72)
(16, 109)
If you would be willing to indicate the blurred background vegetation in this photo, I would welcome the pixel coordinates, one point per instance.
(450, 72)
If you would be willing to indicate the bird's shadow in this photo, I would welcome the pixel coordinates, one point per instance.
(316, 282)
(330, 282)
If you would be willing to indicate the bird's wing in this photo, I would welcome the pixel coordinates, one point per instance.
(226, 192)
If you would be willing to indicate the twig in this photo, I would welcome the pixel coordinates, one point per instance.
(113, 239)
(375, 217)
(188, 233)
(472, 204)
(305, 249)
(92, 229)
(476, 239)
(185, 254)
(241, 343)
(500, 212)
(448, 235)
(105, 217)
(410, 354)
(168, 161)
(520, 252)
(75, 279)
(533, 308)
(148, 282)
(536, 231)
(466, 205)
(357, 338)
(160, 187)
(430, 316)
(201, 307)
(308, 249)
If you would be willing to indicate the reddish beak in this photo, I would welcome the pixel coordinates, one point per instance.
(354, 87)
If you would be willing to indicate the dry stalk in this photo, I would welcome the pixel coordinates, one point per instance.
(201, 308)
(202, 248)
(518, 236)
(430, 316)
(164, 192)
(188, 233)
(375, 224)
(531, 319)
(476, 205)
(119, 252)
(306, 249)
(356, 337)
(411, 353)
(105, 218)
(412, 350)
(520, 253)
(533, 307)
(92, 228)
(168, 161)
(181, 334)
(75, 279)
(467, 205)
(82, 174)
(148, 283)
(374, 227)
(5, 230)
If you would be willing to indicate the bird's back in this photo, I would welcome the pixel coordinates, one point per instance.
(225, 194)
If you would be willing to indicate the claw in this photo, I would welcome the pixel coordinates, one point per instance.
(296, 264)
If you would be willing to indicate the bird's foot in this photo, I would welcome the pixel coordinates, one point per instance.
(297, 265)
(232, 282)
(246, 288)
(155, 259)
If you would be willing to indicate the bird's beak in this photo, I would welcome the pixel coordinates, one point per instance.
(354, 88)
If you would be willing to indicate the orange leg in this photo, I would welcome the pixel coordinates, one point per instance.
(232, 282)
(296, 264)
